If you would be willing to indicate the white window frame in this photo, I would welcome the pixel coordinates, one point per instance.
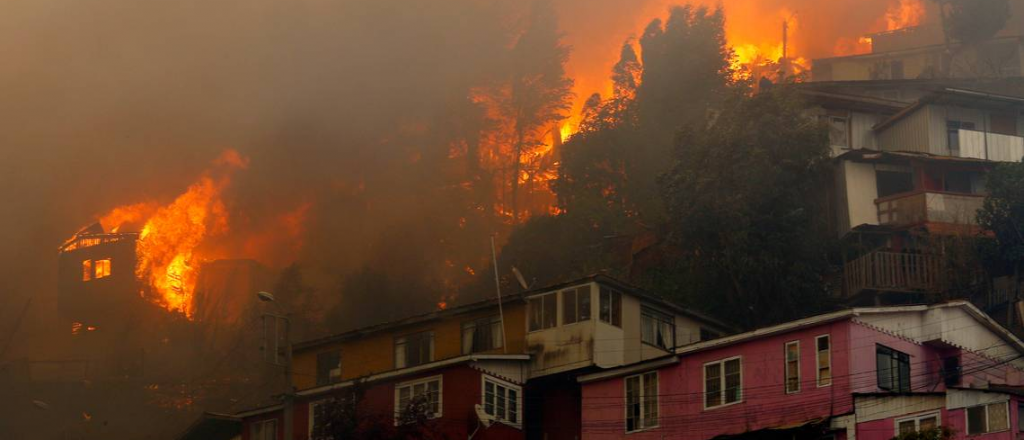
(642, 398)
(785, 366)
(312, 412)
(540, 300)
(576, 291)
(612, 311)
(917, 421)
(967, 419)
(721, 380)
(817, 365)
(440, 395)
(263, 424)
(508, 386)
(648, 312)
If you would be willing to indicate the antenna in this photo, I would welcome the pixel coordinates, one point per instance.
(497, 286)
(519, 277)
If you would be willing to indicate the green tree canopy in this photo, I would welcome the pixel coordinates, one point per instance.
(745, 201)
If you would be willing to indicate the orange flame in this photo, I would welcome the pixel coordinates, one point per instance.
(904, 14)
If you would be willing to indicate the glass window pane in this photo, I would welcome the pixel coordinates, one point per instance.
(536, 313)
(550, 311)
(617, 309)
(513, 406)
(569, 307)
(733, 386)
(928, 424)
(712, 385)
(997, 419)
(605, 304)
(632, 403)
(906, 427)
(975, 420)
(583, 299)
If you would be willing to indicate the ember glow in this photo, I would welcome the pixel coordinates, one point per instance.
(904, 14)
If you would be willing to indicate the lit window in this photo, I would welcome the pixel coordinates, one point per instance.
(918, 423)
(86, 270)
(102, 268)
(657, 328)
(543, 311)
(723, 383)
(418, 398)
(415, 349)
(481, 335)
(824, 344)
(502, 401)
(642, 401)
(793, 367)
(328, 367)
(576, 305)
(993, 417)
(611, 307)
(263, 430)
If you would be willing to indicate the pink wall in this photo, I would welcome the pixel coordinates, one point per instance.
(764, 403)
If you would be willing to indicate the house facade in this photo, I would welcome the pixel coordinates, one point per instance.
(868, 373)
(483, 370)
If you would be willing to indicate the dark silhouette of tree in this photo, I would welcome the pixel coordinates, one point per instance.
(974, 21)
(346, 416)
(529, 99)
(1003, 215)
(745, 201)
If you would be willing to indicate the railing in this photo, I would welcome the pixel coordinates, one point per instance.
(990, 146)
(893, 271)
(928, 206)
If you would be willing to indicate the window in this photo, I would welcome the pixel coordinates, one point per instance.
(951, 371)
(792, 367)
(483, 334)
(263, 430)
(102, 268)
(993, 417)
(543, 311)
(918, 423)
(1020, 416)
(86, 270)
(824, 359)
(708, 334)
(576, 305)
(723, 383)
(502, 400)
(893, 369)
(316, 415)
(642, 401)
(611, 307)
(953, 134)
(328, 367)
(657, 329)
(838, 131)
(415, 349)
(422, 397)
(893, 182)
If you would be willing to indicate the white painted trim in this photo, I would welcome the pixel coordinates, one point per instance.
(630, 370)
(657, 402)
(413, 370)
(484, 378)
(440, 394)
(529, 310)
(917, 421)
(785, 370)
(967, 420)
(817, 367)
(704, 383)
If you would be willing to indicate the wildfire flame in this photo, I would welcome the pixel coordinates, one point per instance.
(904, 14)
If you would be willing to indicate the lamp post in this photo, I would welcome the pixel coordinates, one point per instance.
(289, 394)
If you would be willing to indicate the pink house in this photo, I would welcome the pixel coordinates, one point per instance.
(865, 373)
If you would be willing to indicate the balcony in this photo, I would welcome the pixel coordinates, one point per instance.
(929, 207)
(989, 146)
(893, 272)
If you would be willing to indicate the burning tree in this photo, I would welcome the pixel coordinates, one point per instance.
(526, 103)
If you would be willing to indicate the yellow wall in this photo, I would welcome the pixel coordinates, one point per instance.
(372, 354)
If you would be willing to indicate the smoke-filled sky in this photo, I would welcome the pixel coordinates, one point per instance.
(110, 102)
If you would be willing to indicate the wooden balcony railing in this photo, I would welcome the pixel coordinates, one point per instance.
(893, 271)
(929, 206)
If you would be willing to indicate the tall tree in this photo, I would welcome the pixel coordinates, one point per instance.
(745, 200)
(529, 100)
(1003, 214)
